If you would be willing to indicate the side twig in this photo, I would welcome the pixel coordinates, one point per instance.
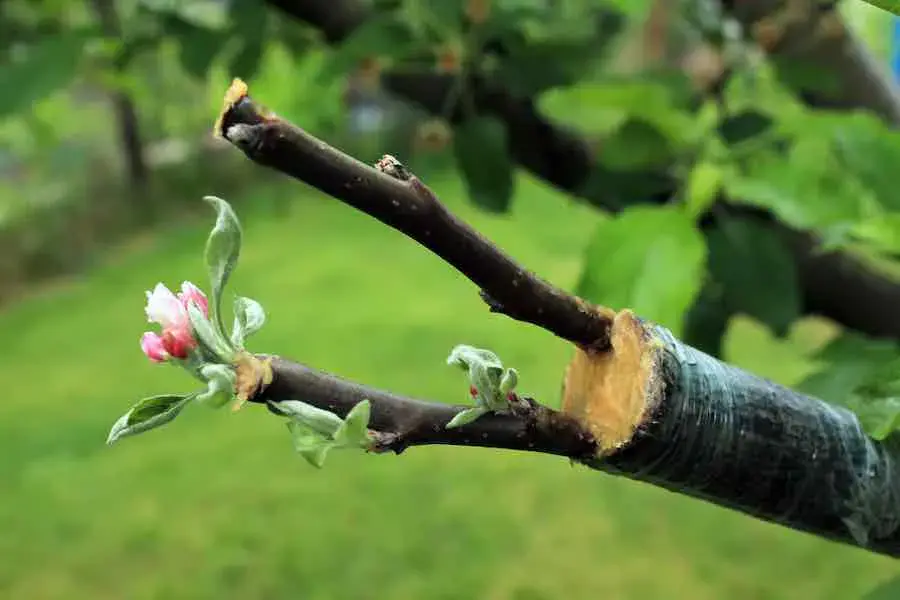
(400, 422)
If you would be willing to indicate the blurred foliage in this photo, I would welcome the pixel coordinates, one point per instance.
(687, 264)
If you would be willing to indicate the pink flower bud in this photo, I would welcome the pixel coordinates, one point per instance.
(153, 347)
(171, 312)
(191, 293)
(164, 308)
(178, 342)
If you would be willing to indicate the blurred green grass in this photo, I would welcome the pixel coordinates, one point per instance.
(217, 506)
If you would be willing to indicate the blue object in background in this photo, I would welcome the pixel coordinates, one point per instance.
(895, 48)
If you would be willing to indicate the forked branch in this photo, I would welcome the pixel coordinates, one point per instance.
(636, 401)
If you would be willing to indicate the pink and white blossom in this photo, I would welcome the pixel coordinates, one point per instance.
(164, 308)
(170, 311)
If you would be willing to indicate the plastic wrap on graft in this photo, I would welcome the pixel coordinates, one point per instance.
(741, 441)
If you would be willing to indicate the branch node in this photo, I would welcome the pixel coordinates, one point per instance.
(393, 167)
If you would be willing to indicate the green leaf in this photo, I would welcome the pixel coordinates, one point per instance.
(249, 317)
(863, 375)
(323, 422)
(220, 381)
(649, 259)
(706, 322)
(870, 151)
(850, 361)
(538, 66)
(212, 345)
(47, 66)
(465, 417)
(509, 381)
(805, 189)
(223, 247)
(355, 429)
(601, 106)
(385, 35)
(890, 589)
(249, 22)
(148, 414)
(309, 444)
(892, 6)
(756, 270)
(744, 126)
(637, 145)
(805, 76)
(198, 45)
(480, 149)
(199, 49)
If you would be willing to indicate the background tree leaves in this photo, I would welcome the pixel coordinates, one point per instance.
(648, 259)
(756, 271)
(46, 66)
(481, 153)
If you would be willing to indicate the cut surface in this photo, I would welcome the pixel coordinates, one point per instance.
(613, 392)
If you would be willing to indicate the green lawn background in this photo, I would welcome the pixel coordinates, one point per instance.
(216, 505)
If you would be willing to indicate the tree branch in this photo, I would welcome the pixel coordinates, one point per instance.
(813, 33)
(564, 159)
(642, 404)
(404, 203)
(402, 422)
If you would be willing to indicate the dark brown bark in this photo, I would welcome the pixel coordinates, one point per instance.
(402, 202)
(403, 422)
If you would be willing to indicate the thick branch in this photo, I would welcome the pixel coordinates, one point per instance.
(409, 207)
(643, 404)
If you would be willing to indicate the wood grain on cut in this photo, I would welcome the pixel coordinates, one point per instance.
(612, 392)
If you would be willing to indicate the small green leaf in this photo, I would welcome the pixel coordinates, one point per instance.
(249, 317)
(756, 271)
(321, 421)
(465, 356)
(309, 444)
(482, 155)
(220, 380)
(223, 247)
(509, 381)
(356, 424)
(649, 259)
(212, 344)
(465, 417)
(485, 373)
(148, 414)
